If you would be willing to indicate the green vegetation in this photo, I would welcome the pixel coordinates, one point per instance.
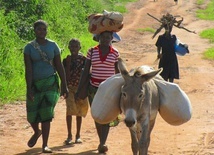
(209, 54)
(200, 2)
(208, 34)
(208, 14)
(147, 29)
(66, 20)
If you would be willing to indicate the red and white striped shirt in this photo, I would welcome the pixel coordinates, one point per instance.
(102, 67)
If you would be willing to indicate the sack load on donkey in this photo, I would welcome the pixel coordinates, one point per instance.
(140, 94)
(175, 106)
(105, 106)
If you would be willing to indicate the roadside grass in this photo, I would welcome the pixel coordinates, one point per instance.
(208, 34)
(200, 2)
(207, 14)
(147, 29)
(66, 20)
(121, 5)
(209, 54)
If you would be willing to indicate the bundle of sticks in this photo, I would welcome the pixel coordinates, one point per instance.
(169, 20)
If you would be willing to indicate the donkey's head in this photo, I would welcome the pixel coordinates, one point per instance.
(133, 92)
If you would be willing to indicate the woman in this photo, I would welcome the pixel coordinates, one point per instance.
(42, 62)
(102, 60)
(166, 53)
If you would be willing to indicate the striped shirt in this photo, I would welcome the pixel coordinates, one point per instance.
(102, 67)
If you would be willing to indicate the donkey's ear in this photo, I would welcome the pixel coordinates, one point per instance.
(150, 75)
(122, 67)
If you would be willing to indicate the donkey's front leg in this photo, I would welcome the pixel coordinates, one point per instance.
(134, 140)
(145, 138)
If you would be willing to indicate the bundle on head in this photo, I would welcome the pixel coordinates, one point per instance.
(107, 21)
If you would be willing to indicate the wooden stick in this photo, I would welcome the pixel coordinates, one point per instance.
(154, 17)
(184, 29)
(178, 26)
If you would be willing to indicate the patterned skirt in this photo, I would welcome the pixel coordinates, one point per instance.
(46, 95)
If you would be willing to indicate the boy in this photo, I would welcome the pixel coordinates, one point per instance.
(73, 65)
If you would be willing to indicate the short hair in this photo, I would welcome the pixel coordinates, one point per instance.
(74, 40)
(39, 22)
(111, 32)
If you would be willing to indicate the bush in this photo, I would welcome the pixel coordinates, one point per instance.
(66, 20)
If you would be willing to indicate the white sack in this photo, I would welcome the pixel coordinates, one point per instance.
(105, 106)
(175, 106)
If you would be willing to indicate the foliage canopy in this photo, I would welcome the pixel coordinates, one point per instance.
(66, 20)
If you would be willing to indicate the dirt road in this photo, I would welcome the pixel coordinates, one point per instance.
(195, 137)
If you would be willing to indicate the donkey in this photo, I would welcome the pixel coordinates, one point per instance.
(139, 103)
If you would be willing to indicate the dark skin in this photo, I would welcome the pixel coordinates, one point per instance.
(40, 34)
(74, 48)
(105, 40)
